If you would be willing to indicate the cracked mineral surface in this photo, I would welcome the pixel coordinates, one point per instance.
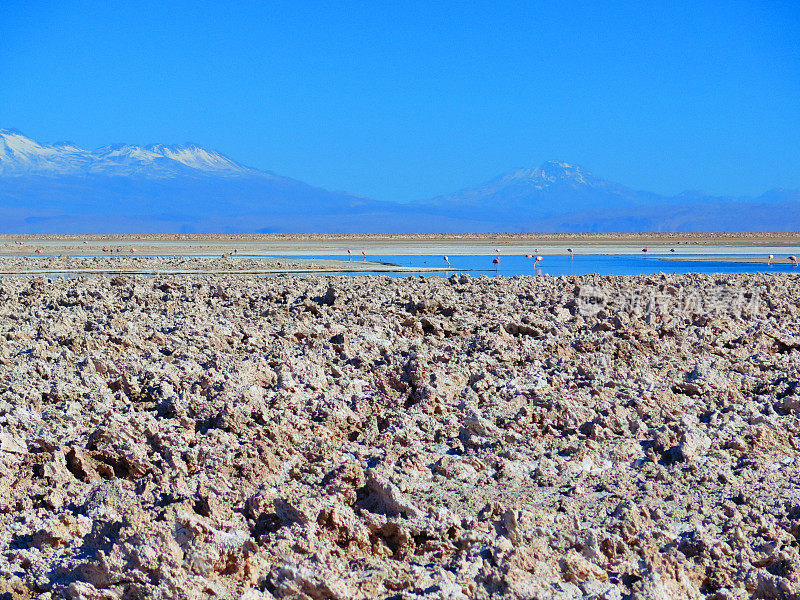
(226, 436)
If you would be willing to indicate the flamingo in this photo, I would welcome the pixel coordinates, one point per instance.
(132, 250)
(536, 251)
(496, 260)
(447, 260)
(349, 254)
(793, 259)
(39, 251)
(672, 249)
(771, 258)
(570, 250)
(528, 256)
(644, 250)
(364, 252)
(538, 258)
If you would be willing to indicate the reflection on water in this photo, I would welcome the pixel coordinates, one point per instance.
(476, 265)
(582, 264)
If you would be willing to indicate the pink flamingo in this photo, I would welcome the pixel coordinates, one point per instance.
(349, 254)
(538, 258)
(672, 249)
(793, 259)
(132, 250)
(771, 258)
(447, 260)
(364, 252)
(39, 251)
(644, 250)
(496, 260)
(570, 250)
(528, 256)
(105, 249)
(536, 251)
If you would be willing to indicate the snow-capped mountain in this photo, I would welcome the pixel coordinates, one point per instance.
(559, 196)
(549, 173)
(62, 188)
(553, 187)
(158, 188)
(20, 155)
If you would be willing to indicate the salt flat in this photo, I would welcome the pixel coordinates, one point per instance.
(220, 436)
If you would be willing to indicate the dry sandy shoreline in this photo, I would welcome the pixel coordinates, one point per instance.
(780, 259)
(189, 265)
(221, 436)
(407, 244)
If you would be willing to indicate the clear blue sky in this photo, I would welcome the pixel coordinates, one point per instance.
(415, 99)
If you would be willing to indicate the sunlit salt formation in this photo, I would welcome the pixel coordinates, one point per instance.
(233, 437)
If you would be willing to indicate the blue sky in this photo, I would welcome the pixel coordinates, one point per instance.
(415, 99)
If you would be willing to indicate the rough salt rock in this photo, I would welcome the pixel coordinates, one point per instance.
(384, 497)
(80, 590)
(12, 447)
(230, 437)
(694, 444)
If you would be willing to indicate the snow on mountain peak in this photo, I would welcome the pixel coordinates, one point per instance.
(196, 157)
(554, 170)
(547, 174)
(20, 155)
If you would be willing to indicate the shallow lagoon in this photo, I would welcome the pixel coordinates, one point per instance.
(579, 264)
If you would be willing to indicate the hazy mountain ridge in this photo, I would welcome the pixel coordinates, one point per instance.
(121, 188)
(559, 196)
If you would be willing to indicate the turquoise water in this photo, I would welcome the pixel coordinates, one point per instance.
(583, 264)
(579, 264)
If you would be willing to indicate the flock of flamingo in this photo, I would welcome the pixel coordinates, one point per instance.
(118, 250)
(537, 259)
(791, 259)
(495, 261)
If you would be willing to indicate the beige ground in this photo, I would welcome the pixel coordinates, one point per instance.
(358, 438)
(778, 260)
(782, 243)
(135, 264)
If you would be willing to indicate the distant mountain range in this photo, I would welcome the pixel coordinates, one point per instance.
(561, 197)
(61, 188)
